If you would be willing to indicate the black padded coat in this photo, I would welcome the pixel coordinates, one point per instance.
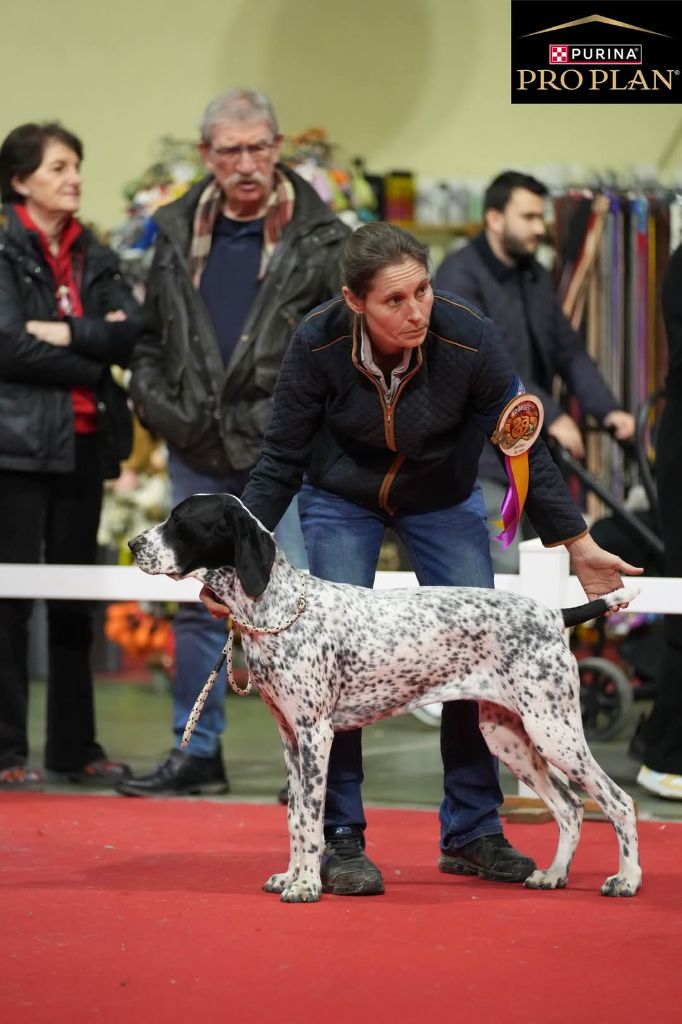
(36, 414)
(215, 415)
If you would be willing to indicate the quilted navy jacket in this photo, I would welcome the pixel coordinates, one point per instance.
(331, 422)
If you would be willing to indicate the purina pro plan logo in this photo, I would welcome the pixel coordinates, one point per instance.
(594, 52)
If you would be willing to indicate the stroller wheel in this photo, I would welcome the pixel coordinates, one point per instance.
(606, 698)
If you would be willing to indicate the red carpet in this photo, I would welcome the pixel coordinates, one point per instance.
(131, 912)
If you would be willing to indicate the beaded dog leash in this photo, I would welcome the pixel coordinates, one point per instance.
(226, 656)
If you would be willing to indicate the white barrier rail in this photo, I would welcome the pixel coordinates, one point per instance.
(543, 574)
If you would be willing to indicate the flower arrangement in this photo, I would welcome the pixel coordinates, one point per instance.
(144, 631)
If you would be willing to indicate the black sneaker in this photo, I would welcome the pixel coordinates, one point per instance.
(490, 857)
(345, 869)
(181, 775)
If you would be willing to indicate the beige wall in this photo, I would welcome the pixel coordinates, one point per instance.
(420, 84)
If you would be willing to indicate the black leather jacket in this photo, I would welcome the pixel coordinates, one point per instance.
(417, 453)
(36, 415)
(215, 414)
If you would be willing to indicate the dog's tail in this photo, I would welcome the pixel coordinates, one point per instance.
(585, 612)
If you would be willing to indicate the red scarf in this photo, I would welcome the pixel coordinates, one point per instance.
(67, 271)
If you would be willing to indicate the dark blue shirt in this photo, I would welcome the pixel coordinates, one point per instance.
(229, 283)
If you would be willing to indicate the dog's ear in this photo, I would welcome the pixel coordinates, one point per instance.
(254, 552)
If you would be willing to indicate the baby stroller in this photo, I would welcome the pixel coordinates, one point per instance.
(618, 655)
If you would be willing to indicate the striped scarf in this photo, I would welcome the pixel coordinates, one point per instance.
(278, 212)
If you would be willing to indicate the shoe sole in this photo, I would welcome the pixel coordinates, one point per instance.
(373, 888)
(67, 779)
(463, 867)
(205, 789)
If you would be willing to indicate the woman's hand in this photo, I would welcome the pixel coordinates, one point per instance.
(621, 424)
(115, 316)
(598, 570)
(54, 332)
(215, 606)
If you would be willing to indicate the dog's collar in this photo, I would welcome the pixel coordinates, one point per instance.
(226, 655)
(301, 605)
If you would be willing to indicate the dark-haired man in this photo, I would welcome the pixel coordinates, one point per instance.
(499, 272)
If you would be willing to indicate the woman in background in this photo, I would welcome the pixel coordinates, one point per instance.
(65, 317)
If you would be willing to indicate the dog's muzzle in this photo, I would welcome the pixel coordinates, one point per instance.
(136, 543)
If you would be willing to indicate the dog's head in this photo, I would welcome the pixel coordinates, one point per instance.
(208, 531)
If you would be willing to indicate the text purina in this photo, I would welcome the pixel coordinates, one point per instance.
(594, 80)
(603, 54)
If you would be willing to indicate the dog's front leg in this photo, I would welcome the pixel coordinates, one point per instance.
(280, 881)
(306, 817)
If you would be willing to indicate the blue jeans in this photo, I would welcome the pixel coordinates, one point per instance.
(199, 638)
(449, 547)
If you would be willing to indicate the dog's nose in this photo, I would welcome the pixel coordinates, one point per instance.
(134, 542)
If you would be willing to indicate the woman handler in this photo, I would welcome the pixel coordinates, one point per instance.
(382, 405)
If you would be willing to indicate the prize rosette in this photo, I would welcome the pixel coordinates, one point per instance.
(517, 430)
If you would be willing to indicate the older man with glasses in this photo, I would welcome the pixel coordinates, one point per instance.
(239, 259)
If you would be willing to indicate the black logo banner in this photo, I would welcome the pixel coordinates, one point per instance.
(599, 51)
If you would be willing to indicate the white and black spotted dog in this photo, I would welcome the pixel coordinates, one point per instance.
(347, 656)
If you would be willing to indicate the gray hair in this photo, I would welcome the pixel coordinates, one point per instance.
(237, 105)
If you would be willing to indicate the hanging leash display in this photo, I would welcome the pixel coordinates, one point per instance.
(226, 656)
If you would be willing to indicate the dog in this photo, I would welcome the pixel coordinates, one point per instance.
(326, 657)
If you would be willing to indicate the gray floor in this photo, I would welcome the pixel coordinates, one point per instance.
(402, 758)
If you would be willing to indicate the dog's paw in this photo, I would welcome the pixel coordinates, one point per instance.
(622, 885)
(546, 880)
(278, 883)
(302, 892)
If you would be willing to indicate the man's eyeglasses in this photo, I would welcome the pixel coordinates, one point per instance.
(256, 150)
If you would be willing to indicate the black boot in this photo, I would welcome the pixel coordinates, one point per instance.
(490, 857)
(181, 775)
(346, 870)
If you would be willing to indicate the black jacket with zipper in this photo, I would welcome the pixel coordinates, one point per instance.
(540, 342)
(36, 378)
(417, 453)
(215, 415)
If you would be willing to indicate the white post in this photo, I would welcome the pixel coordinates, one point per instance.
(543, 574)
